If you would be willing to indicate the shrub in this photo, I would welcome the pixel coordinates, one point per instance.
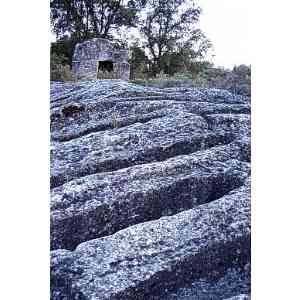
(59, 69)
(237, 81)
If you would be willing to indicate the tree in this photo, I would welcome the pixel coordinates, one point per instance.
(170, 27)
(138, 61)
(64, 47)
(239, 80)
(84, 19)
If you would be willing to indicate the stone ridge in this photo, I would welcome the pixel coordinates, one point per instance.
(101, 204)
(150, 258)
(133, 144)
(150, 192)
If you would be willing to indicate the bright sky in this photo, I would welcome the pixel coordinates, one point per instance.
(226, 24)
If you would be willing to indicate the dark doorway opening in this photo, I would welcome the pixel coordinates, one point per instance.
(105, 66)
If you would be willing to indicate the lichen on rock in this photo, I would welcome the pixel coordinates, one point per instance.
(150, 192)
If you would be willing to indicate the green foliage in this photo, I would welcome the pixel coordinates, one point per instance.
(139, 62)
(59, 69)
(163, 80)
(64, 47)
(205, 75)
(172, 42)
(84, 19)
(170, 54)
(171, 36)
(237, 81)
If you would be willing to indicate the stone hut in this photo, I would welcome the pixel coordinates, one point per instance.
(100, 58)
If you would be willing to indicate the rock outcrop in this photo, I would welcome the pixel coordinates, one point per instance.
(150, 192)
(240, 297)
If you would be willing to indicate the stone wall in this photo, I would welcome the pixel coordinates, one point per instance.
(88, 54)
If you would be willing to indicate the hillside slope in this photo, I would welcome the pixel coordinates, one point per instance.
(150, 192)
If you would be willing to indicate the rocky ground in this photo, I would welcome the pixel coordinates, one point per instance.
(150, 192)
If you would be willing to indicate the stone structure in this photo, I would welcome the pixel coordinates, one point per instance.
(100, 58)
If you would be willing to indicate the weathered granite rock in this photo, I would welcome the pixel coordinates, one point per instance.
(91, 92)
(149, 192)
(101, 204)
(145, 260)
(120, 114)
(131, 145)
(102, 109)
(235, 123)
(232, 282)
(240, 297)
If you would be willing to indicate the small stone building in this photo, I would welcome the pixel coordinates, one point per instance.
(100, 58)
